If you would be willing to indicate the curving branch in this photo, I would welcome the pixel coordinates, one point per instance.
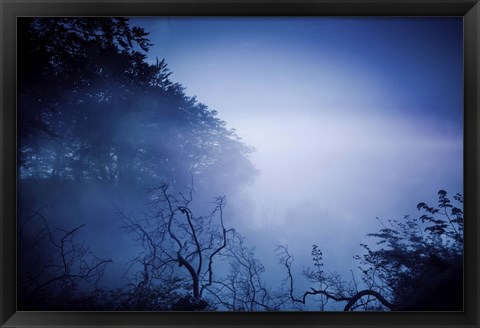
(193, 274)
(287, 259)
(366, 292)
(218, 208)
(188, 213)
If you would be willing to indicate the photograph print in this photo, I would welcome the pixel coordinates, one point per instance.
(240, 164)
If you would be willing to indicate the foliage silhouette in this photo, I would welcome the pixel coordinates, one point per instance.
(92, 108)
(416, 265)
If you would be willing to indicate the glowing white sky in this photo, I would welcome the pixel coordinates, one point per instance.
(351, 118)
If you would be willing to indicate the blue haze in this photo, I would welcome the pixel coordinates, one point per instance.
(351, 118)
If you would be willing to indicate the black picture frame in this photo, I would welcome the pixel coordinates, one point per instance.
(10, 10)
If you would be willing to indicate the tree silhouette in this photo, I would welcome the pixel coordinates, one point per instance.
(91, 108)
(180, 246)
(418, 250)
(416, 265)
(177, 243)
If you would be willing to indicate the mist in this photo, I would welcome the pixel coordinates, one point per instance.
(317, 131)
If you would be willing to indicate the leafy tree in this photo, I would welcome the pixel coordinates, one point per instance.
(92, 108)
(415, 250)
(416, 264)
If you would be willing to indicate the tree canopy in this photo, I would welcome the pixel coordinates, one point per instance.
(92, 108)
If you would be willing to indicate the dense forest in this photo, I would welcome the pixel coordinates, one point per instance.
(109, 146)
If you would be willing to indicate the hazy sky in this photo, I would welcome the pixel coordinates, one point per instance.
(351, 118)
